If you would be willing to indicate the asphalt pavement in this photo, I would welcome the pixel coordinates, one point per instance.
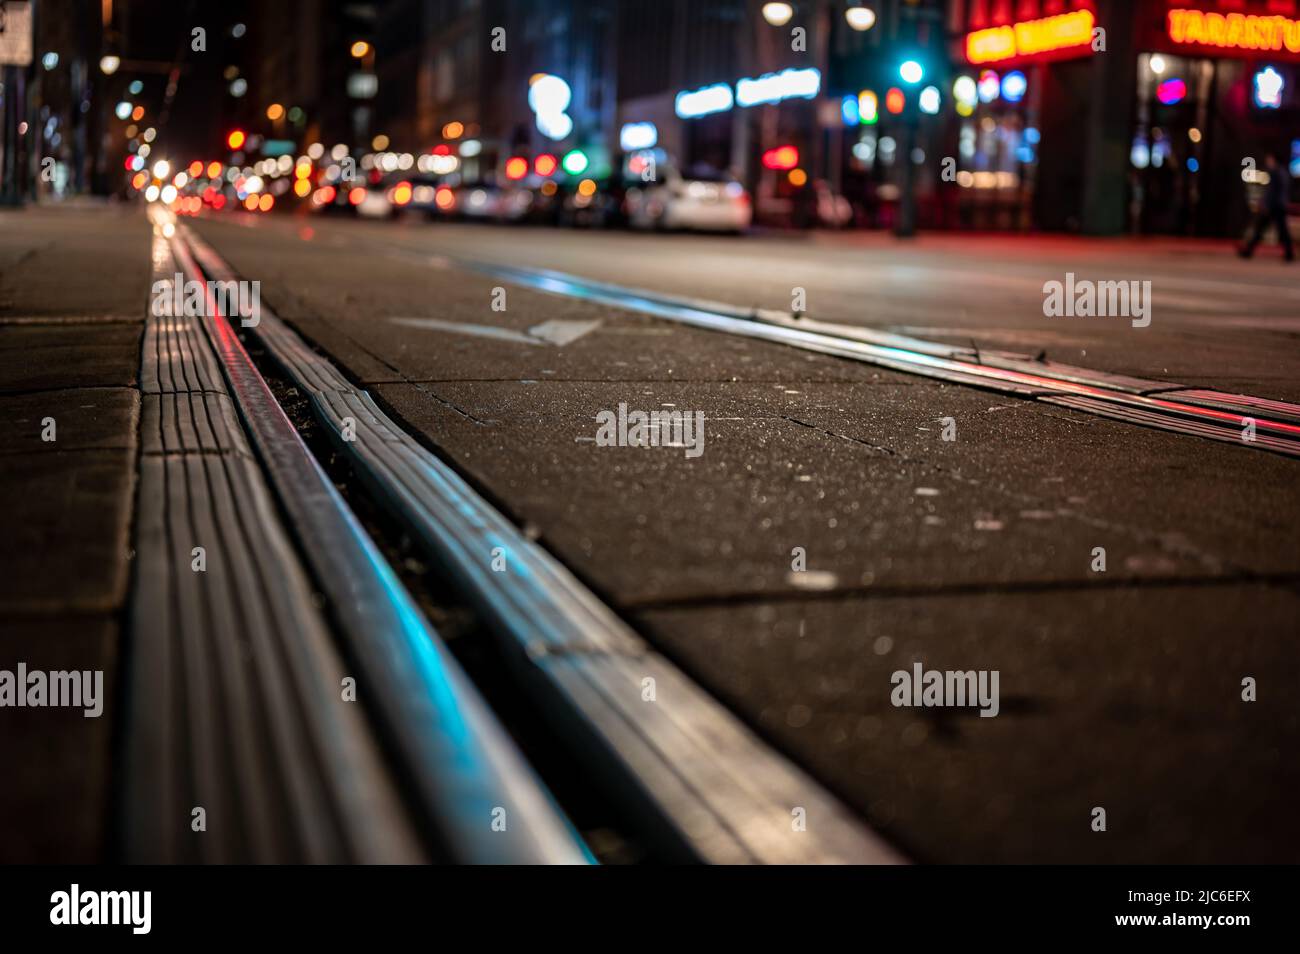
(1121, 688)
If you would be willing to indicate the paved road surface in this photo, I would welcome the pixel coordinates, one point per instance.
(1120, 689)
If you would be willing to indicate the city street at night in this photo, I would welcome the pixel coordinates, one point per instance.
(641, 437)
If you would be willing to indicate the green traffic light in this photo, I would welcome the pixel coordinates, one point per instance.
(574, 162)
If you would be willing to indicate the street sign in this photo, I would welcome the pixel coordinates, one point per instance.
(15, 33)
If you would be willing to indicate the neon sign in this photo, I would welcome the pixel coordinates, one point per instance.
(768, 88)
(1238, 31)
(774, 87)
(1031, 37)
(1268, 88)
(701, 102)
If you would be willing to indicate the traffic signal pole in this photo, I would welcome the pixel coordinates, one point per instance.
(905, 225)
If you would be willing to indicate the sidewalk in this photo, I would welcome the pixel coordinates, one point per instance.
(73, 292)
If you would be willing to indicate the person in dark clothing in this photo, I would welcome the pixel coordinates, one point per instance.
(1273, 209)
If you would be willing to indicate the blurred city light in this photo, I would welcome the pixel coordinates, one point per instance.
(777, 14)
(634, 136)
(548, 98)
(929, 100)
(109, 63)
(911, 71)
(360, 48)
(516, 168)
(775, 87)
(236, 139)
(782, 157)
(1268, 86)
(868, 108)
(860, 18)
(1014, 86)
(849, 110)
(716, 98)
(1171, 92)
(274, 111)
(574, 162)
(990, 86)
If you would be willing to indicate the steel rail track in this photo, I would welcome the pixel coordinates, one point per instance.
(456, 763)
(1156, 404)
(700, 782)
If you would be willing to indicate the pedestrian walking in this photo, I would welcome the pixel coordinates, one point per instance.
(1273, 209)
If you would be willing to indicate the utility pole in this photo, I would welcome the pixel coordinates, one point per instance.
(920, 19)
(15, 57)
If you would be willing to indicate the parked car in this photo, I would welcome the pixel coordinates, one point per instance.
(703, 199)
(489, 202)
(372, 202)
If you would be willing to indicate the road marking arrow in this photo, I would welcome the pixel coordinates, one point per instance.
(554, 332)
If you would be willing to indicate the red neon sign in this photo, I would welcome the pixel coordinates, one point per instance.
(1237, 31)
(1030, 37)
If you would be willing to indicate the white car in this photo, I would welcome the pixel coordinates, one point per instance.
(375, 204)
(702, 200)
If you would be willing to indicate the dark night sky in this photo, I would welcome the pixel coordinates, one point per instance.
(160, 31)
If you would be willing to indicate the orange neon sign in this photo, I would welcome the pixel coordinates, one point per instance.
(1030, 37)
(1238, 31)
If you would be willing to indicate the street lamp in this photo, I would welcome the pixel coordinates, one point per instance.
(777, 14)
(911, 71)
(860, 18)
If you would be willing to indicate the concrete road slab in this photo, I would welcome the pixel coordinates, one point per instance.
(1128, 700)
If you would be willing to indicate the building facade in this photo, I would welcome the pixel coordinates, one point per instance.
(1148, 116)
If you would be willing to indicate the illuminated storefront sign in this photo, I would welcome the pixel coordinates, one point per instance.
(1237, 31)
(1031, 37)
(774, 87)
(701, 102)
(768, 88)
